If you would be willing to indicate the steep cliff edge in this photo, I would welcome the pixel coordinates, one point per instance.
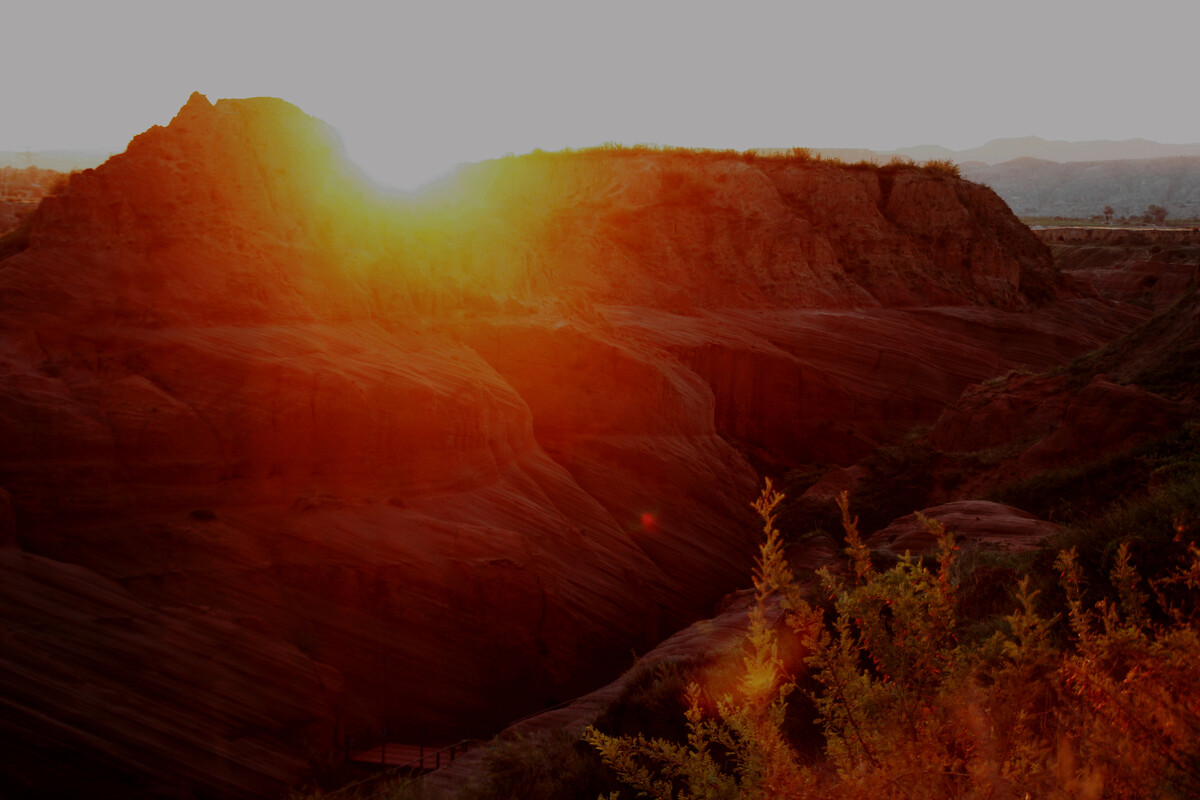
(456, 456)
(684, 230)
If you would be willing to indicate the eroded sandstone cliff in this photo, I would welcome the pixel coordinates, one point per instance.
(456, 457)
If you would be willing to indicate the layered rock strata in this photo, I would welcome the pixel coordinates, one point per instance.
(439, 462)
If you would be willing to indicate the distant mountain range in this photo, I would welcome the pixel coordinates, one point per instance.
(998, 151)
(1037, 188)
(1040, 178)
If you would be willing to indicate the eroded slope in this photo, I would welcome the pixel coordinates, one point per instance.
(458, 456)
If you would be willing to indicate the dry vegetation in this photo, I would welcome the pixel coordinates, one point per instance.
(1095, 700)
(902, 683)
(795, 155)
(897, 683)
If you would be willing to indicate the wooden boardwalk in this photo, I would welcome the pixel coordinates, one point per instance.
(418, 758)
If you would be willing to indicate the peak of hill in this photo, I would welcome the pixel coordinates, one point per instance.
(246, 193)
(451, 457)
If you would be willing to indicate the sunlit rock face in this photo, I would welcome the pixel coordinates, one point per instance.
(682, 232)
(239, 212)
(450, 459)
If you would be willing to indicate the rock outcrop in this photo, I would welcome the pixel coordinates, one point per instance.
(102, 690)
(1148, 266)
(685, 231)
(441, 463)
(828, 386)
(1138, 387)
(974, 523)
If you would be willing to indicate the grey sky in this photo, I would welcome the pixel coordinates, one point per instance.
(417, 87)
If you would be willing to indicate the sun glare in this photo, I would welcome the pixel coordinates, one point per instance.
(393, 165)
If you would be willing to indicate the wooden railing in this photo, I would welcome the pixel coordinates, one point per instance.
(426, 759)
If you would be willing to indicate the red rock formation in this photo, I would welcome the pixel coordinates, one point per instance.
(681, 231)
(1101, 418)
(1134, 265)
(8, 521)
(975, 523)
(463, 455)
(831, 385)
(1097, 408)
(234, 213)
(1162, 354)
(102, 690)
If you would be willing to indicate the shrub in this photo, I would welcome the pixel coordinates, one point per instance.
(552, 765)
(652, 702)
(910, 709)
(900, 479)
(1139, 715)
(1156, 526)
(941, 168)
(739, 748)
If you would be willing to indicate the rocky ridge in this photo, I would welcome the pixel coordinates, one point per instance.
(443, 463)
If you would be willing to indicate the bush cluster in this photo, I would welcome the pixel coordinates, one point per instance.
(1100, 701)
(936, 678)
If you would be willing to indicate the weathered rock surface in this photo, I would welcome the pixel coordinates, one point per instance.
(8, 520)
(830, 385)
(975, 523)
(457, 458)
(1161, 355)
(12, 214)
(102, 690)
(1149, 266)
(1032, 424)
(1140, 386)
(684, 232)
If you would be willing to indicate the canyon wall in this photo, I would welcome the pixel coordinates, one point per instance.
(440, 461)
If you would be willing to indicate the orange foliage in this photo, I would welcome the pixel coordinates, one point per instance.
(909, 710)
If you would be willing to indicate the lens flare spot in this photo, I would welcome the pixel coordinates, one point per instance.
(649, 522)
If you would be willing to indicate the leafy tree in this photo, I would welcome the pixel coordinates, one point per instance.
(1108, 214)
